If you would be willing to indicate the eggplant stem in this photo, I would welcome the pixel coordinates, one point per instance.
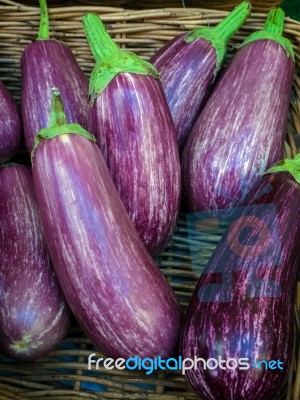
(44, 21)
(101, 44)
(229, 25)
(275, 21)
(57, 115)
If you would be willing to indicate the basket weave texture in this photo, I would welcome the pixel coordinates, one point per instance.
(63, 373)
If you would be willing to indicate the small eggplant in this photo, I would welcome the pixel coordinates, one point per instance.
(135, 132)
(10, 126)
(240, 132)
(189, 64)
(34, 316)
(48, 63)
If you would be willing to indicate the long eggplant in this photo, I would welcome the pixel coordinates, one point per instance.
(34, 316)
(10, 126)
(241, 313)
(189, 64)
(133, 125)
(118, 295)
(240, 132)
(48, 63)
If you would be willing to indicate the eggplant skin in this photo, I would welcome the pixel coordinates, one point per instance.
(135, 132)
(187, 73)
(240, 132)
(46, 64)
(10, 126)
(116, 292)
(257, 322)
(34, 316)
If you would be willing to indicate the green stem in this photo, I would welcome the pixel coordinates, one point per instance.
(233, 21)
(219, 35)
(57, 114)
(275, 21)
(100, 42)
(44, 21)
(287, 165)
(110, 60)
(58, 124)
(273, 31)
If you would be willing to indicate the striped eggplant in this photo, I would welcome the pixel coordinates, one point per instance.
(46, 63)
(118, 295)
(240, 132)
(10, 126)
(241, 313)
(135, 132)
(34, 316)
(189, 64)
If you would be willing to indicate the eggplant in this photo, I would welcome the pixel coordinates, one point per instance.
(10, 126)
(116, 292)
(46, 63)
(240, 132)
(133, 125)
(34, 316)
(190, 63)
(241, 311)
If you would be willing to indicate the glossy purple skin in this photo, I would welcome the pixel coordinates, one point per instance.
(187, 73)
(136, 135)
(116, 292)
(10, 126)
(259, 327)
(240, 132)
(47, 64)
(34, 316)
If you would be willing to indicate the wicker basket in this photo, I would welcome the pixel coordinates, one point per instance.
(63, 373)
(227, 5)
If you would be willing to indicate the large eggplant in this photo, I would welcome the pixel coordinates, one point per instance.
(241, 313)
(34, 316)
(133, 125)
(118, 295)
(48, 63)
(189, 64)
(10, 126)
(240, 132)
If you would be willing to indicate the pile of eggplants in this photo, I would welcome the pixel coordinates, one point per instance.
(241, 130)
(104, 194)
(130, 118)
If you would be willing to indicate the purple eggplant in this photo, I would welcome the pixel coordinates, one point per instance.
(240, 132)
(241, 313)
(117, 293)
(48, 63)
(10, 126)
(133, 125)
(34, 316)
(189, 64)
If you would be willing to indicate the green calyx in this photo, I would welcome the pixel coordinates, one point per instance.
(110, 60)
(58, 124)
(273, 31)
(287, 165)
(220, 34)
(44, 21)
